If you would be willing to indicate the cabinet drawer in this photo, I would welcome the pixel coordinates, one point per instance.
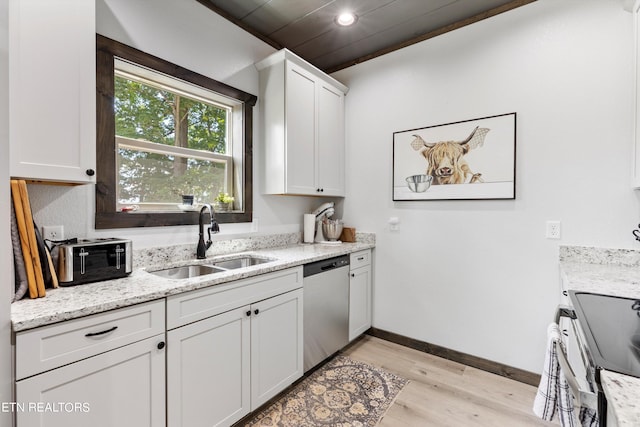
(49, 347)
(360, 259)
(124, 388)
(197, 305)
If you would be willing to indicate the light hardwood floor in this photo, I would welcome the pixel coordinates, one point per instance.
(446, 393)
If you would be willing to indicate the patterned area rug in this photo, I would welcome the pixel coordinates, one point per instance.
(344, 392)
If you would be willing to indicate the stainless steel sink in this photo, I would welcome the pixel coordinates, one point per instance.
(241, 262)
(187, 271)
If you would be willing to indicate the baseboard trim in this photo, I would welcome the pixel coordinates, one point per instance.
(467, 359)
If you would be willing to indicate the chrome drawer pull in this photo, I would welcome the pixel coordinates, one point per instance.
(106, 331)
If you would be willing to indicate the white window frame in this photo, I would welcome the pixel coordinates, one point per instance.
(189, 153)
(232, 160)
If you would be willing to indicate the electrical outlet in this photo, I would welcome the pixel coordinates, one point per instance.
(553, 230)
(53, 232)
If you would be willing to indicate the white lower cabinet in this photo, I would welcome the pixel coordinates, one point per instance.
(276, 345)
(124, 386)
(359, 293)
(225, 365)
(208, 372)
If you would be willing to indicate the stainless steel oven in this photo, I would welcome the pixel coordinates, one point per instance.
(601, 332)
(576, 362)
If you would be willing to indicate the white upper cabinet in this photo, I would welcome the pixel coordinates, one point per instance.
(303, 123)
(52, 90)
(633, 6)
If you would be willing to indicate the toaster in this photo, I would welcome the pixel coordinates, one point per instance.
(92, 260)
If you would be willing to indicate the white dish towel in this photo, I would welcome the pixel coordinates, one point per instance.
(554, 395)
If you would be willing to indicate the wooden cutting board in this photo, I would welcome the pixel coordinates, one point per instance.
(27, 238)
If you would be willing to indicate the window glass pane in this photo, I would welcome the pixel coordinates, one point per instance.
(143, 112)
(168, 118)
(164, 117)
(160, 178)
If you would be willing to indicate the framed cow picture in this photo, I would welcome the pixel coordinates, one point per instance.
(466, 160)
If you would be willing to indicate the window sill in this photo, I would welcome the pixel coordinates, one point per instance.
(155, 219)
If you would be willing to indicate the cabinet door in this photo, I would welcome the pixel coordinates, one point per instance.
(276, 345)
(208, 371)
(52, 88)
(635, 10)
(330, 140)
(359, 301)
(300, 123)
(123, 387)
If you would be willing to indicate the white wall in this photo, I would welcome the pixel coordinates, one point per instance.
(6, 256)
(188, 34)
(479, 276)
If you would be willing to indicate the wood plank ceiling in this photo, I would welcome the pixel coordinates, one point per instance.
(308, 28)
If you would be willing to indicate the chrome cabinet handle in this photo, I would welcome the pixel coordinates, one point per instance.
(106, 331)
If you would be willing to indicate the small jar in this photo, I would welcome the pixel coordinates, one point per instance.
(187, 199)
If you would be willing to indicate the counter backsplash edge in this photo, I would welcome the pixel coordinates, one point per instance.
(163, 255)
(596, 255)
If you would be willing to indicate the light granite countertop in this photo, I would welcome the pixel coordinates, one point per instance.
(623, 394)
(66, 303)
(610, 272)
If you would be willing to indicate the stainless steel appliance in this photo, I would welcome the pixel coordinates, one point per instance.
(92, 260)
(326, 309)
(325, 210)
(603, 334)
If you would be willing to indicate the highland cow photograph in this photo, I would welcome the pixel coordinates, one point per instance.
(465, 160)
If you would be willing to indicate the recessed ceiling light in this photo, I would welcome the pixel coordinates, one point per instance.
(345, 19)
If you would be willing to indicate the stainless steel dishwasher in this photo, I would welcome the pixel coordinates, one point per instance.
(326, 309)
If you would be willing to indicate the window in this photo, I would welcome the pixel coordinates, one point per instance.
(163, 132)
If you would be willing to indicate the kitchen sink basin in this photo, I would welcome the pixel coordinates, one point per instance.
(187, 271)
(241, 262)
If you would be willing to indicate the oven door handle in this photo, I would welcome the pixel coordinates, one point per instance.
(565, 311)
(582, 397)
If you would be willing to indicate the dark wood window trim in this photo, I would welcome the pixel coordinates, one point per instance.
(106, 215)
